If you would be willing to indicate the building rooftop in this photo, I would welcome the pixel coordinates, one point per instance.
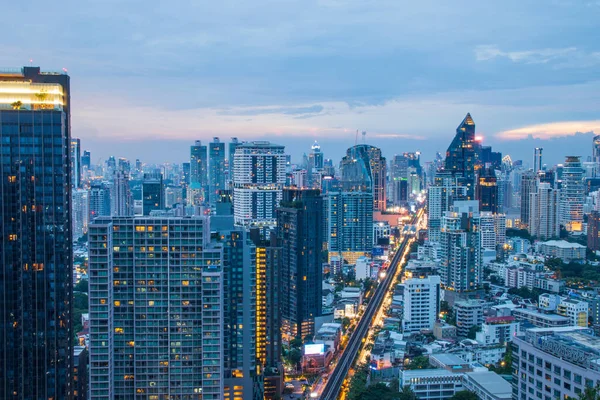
(563, 244)
(427, 373)
(492, 383)
(550, 317)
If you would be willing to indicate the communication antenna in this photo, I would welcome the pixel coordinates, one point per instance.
(364, 135)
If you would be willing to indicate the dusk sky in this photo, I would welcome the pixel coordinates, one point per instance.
(149, 77)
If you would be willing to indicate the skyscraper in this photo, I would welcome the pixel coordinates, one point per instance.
(216, 162)
(75, 162)
(363, 168)
(537, 159)
(529, 184)
(461, 156)
(121, 198)
(35, 235)
(153, 193)
(460, 252)
(300, 232)
(99, 201)
(86, 160)
(81, 213)
(544, 207)
(487, 190)
(199, 169)
(231, 153)
(593, 231)
(572, 194)
(421, 303)
(258, 180)
(596, 149)
(440, 198)
(349, 224)
(156, 316)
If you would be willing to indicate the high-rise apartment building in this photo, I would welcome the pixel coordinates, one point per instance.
(86, 160)
(544, 212)
(440, 198)
(300, 233)
(230, 155)
(75, 158)
(460, 252)
(593, 231)
(35, 235)
(99, 201)
(199, 171)
(153, 193)
(121, 198)
(572, 194)
(421, 303)
(258, 180)
(349, 224)
(216, 166)
(461, 156)
(81, 212)
(537, 159)
(528, 185)
(596, 149)
(363, 168)
(156, 309)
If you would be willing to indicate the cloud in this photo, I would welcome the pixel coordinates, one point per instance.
(541, 56)
(551, 130)
(297, 110)
(396, 136)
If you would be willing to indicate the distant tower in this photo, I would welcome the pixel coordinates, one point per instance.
(363, 168)
(198, 167)
(596, 149)
(461, 155)
(75, 162)
(216, 165)
(572, 194)
(537, 159)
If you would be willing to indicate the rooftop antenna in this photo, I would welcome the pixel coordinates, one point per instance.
(31, 61)
(364, 135)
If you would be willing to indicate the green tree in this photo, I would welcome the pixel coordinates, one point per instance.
(294, 356)
(407, 394)
(419, 362)
(464, 395)
(590, 393)
(296, 343)
(473, 331)
(82, 286)
(346, 323)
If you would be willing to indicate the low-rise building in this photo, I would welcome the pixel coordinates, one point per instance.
(497, 330)
(562, 249)
(539, 319)
(432, 384)
(442, 330)
(487, 385)
(468, 314)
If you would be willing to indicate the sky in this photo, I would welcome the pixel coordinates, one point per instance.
(150, 77)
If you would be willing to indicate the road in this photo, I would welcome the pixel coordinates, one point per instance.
(346, 361)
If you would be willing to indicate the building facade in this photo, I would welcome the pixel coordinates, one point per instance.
(363, 168)
(421, 303)
(572, 194)
(156, 309)
(36, 282)
(216, 165)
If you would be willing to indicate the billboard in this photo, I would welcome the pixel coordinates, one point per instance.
(314, 349)
(377, 251)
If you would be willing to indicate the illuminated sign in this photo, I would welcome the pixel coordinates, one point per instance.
(314, 349)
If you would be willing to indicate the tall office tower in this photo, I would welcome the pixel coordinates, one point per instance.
(268, 313)
(99, 200)
(399, 166)
(258, 180)
(153, 193)
(81, 213)
(505, 192)
(572, 194)
(528, 185)
(75, 158)
(111, 167)
(123, 165)
(216, 165)
(593, 231)
(139, 168)
(487, 190)
(421, 303)
(364, 169)
(199, 171)
(156, 309)
(596, 149)
(399, 193)
(460, 252)
(349, 224)
(544, 212)
(315, 166)
(121, 198)
(86, 160)
(493, 158)
(35, 235)
(185, 174)
(242, 336)
(537, 159)
(461, 155)
(300, 232)
(439, 200)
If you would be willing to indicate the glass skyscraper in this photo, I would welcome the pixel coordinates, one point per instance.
(216, 162)
(461, 155)
(35, 235)
(363, 168)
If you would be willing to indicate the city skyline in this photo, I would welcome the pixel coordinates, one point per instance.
(323, 69)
